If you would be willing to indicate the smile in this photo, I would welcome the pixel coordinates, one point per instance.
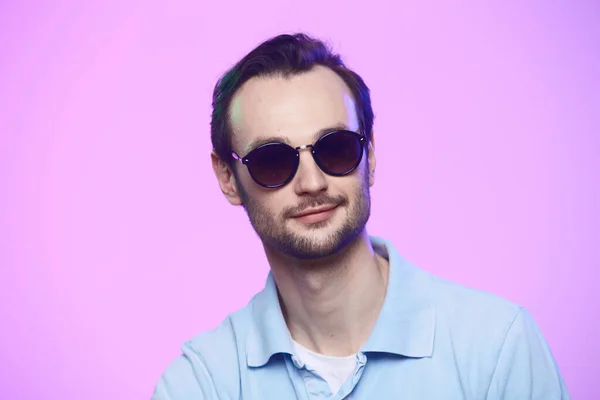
(316, 217)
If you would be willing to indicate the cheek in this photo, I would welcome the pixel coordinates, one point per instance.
(267, 203)
(277, 206)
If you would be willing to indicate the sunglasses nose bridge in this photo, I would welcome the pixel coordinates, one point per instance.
(306, 146)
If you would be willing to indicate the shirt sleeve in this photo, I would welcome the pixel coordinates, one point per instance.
(185, 379)
(526, 368)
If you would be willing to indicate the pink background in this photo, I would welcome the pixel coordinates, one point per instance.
(116, 243)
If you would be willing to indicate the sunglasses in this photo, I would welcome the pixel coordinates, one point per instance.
(275, 164)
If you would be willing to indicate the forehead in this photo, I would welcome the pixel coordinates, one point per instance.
(293, 109)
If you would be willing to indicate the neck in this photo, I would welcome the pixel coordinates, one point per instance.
(331, 305)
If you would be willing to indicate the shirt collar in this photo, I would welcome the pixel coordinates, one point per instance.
(405, 325)
(269, 333)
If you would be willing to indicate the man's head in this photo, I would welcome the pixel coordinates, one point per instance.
(294, 90)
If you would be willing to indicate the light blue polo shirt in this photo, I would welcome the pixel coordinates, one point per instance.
(433, 339)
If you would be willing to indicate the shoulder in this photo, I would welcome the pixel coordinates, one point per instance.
(471, 324)
(471, 327)
(494, 344)
(210, 362)
(468, 307)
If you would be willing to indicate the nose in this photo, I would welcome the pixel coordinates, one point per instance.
(309, 178)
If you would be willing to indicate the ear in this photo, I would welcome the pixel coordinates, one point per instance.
(372, 160)
(226, 179)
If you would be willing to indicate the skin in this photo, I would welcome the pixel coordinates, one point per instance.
(330, 281)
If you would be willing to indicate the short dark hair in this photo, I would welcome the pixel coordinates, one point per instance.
(284, 55)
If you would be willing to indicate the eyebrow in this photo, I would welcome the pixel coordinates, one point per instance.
(282, 139)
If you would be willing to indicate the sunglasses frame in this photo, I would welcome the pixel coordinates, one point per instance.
(248, 157)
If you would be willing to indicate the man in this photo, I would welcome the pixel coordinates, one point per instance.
(343, 314)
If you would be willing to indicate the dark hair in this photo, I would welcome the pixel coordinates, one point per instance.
(283, 55)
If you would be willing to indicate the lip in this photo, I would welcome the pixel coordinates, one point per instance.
(317, 210)
(316, 215)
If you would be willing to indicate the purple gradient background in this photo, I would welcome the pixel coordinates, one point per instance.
(116, 242)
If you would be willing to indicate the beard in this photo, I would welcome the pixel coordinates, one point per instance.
(307, 243)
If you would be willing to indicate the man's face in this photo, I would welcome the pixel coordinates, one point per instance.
(295, 108)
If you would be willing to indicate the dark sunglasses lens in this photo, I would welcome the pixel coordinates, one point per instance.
(339, 152)
(272, 164)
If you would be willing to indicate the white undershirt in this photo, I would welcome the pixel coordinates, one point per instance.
(335, 370)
